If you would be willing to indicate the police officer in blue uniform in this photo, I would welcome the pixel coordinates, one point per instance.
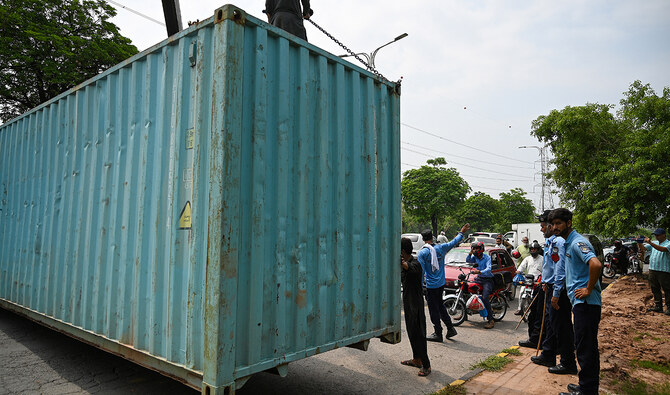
(559, 338)
(560, 308)
(582, 273)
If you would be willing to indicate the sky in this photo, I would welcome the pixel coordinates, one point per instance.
(477, 73)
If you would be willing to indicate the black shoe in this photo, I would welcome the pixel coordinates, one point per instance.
(434, 338)
(571, 393)
(667, 312)
(527, 343)
(573, 387)
(451, 332)
(540, 360)
(560, 369)
(655, 309)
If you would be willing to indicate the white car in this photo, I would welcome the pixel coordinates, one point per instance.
(417, 242)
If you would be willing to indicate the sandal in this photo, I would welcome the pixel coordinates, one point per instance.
(410, 362)
(424, 372)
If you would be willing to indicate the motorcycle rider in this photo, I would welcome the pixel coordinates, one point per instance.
(531, 265)
(484, 278)
(621, 253)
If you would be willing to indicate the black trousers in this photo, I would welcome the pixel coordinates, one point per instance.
(549, 334)
(535, 316)
(560, 337)
(587, 319)
(437, 309)
(415, 322)
(660, 280)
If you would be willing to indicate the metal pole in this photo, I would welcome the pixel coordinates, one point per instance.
(172, 14)
(542, 170)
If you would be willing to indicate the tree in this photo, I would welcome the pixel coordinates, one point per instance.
(49, 46)
(480, 210)
(432, 191)
(613, 169)
(514, 208)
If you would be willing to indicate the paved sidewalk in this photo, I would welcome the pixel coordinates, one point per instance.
(519, 377)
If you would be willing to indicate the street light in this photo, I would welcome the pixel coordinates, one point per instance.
(371, 57)
(542, 170)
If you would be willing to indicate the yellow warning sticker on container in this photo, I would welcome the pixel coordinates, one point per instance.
(190, 138)
(185, 217)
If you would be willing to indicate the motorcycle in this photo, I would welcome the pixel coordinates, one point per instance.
(526, 294)
(456, 303)
(634, 264)
(611, 265)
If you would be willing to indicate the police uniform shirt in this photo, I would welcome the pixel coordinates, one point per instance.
(578, 251)
(557, 255)
(548, 264)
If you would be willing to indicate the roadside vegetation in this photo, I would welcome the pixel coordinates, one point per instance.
(496, 362)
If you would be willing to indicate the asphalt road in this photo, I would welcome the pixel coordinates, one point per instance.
(34, 359)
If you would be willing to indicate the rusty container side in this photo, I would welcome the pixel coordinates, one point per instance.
(224, 203)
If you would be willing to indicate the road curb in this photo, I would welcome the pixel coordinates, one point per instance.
(464, 379)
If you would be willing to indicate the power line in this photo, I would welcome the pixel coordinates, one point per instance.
(465, 157)
(136, 12)
(464, 145)
(470, 175)
(474, 186)
(457, 163)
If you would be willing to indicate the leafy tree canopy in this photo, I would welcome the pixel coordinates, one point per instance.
(514, 208)
(480, 210)
(613, 169)
(49, 46)
(432, 191)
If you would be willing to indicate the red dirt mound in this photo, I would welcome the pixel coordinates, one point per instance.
(628, 334)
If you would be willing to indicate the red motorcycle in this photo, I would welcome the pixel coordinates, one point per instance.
(457, 303)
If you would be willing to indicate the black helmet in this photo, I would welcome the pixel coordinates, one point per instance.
(617, 243)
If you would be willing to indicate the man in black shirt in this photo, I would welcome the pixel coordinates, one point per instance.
(621, 253)
(287, 15)
(412, 302)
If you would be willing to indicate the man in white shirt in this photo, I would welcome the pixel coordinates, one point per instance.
(530, 265)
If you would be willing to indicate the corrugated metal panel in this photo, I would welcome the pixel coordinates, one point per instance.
(289, 159)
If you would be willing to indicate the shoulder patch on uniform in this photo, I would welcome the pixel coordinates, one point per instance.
(583, 247)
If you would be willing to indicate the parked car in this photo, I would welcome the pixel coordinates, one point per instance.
(417, 242)
(597, 246)
(488, 241)
(487, 234)
(501, 263)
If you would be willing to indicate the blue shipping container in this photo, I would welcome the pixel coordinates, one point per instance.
(221, 204)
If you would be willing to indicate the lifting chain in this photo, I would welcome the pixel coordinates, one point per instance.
(368, 66)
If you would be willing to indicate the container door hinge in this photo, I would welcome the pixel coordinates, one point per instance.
(193, 53)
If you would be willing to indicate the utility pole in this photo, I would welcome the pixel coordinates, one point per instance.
(543, 170)
(172, 16)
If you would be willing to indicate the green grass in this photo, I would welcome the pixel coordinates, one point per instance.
(663, 368)
(636, 387)
(451, 390)
(492, 363)
(642, 335)
(512, 351)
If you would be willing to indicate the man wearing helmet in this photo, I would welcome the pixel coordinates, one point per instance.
(531, 265)
(431, 258)
(484, 278)
(621, 252)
